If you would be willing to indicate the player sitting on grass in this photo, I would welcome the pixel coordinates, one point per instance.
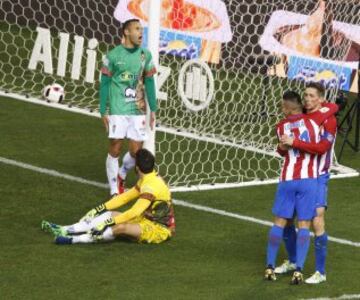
(150, 219)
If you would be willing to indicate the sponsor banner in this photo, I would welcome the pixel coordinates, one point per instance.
(328, 74)
(189, 28)
(296, 34)
(249, 30)
(319, 36)
(176, 44)
(207, 19)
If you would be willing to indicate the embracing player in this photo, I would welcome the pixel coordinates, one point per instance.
(126, 76)
(315, 105)
(297, 190)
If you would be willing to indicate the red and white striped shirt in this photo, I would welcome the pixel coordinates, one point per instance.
(325, 147)
(298, 164)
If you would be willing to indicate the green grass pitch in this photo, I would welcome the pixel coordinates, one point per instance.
(211, 257)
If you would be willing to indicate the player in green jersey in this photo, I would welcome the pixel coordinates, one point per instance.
(126, 76)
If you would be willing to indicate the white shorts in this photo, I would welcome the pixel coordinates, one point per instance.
(130, 127)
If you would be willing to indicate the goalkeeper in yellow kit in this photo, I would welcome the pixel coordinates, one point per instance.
(149, 220)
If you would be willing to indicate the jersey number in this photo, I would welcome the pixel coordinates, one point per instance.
(303, 137)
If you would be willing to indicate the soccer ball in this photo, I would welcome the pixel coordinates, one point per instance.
(54, 93)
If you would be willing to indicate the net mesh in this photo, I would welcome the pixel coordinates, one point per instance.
(219, 100)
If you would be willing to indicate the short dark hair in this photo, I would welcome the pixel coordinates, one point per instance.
(145, 161)
(292, 96)
(127, 23)
(317, 86)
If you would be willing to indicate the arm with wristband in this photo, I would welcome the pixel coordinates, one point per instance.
(136, 210)
(146, 196)
(112, 204)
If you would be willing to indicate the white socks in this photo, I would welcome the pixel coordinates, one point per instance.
(82, 239)
(112, 170)
(87, 238)
(85, 226)
(108, 235)
(127, 164)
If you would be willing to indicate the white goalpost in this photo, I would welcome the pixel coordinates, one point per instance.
(222, 68)
(153, 46)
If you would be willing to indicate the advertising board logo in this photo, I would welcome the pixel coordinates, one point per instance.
(43, 54)
(176, 44)
(329, 75)
(196, 85)
(179, 48)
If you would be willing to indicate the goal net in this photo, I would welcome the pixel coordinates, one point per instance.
(223, 66)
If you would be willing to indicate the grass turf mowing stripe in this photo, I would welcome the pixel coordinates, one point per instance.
(177, 202)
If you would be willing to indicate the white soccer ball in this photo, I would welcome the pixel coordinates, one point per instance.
(54, 93)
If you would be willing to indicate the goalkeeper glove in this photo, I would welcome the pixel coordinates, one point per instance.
(98, 230)
(91, 214)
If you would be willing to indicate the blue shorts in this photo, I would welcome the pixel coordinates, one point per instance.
(321, 200)
(296, 197)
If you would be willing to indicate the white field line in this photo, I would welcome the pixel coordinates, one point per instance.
(51, 172)
(176, 202)
(343, 297)
(251, 219)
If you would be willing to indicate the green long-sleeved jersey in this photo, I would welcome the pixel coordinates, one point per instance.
(127, 74)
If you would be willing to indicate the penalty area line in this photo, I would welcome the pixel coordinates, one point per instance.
(176, 202)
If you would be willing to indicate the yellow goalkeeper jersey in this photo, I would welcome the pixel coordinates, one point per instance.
(154, 202)
(153, 188)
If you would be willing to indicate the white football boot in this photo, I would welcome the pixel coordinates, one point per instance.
(285, 267)
(316, 278)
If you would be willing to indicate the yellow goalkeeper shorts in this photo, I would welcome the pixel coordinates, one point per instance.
(152, 232)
